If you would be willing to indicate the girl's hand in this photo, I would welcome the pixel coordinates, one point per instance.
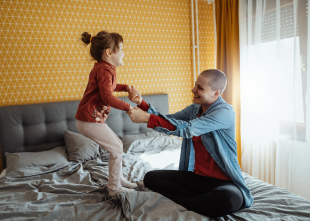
(134, 95)
(138, 116)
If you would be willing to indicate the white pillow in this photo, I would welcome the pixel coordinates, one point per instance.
(129, 139)
(154, 145)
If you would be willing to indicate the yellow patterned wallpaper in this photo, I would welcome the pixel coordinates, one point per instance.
(206, 35)
(43, 61)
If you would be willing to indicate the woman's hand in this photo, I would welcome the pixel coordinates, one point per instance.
(134, 95)
(138, 116)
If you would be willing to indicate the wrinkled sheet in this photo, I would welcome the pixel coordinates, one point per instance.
(78, 191)
(271, 203)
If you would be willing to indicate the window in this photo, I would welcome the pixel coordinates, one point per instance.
(292, 65)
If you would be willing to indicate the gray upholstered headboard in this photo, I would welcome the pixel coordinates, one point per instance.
(38, 127)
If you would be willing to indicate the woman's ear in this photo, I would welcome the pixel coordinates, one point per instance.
(217, 93)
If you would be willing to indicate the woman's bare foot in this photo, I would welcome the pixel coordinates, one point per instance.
(113, 193)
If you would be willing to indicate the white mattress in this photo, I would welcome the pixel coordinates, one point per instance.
(3, 173)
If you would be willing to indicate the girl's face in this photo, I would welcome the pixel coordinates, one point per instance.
(117, 58)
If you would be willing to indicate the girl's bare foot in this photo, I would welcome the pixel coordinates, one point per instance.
(113, 193)
(129, 185)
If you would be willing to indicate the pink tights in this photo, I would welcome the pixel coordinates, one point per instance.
(107, 139)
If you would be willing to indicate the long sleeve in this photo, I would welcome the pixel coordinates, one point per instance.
(105, 82)
(219, 118)
(183, 114)
(144, 106)
(156, 121)
(121, 87)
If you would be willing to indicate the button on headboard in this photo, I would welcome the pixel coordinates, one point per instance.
(39, 127)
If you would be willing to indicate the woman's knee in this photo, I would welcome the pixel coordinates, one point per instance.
(232, 200)
(148, 177)
(235, 203)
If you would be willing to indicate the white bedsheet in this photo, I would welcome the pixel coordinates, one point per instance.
(160, 152)
(168, 159)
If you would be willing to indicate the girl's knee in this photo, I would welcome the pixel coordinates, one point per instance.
(120, 147)
(117, 151)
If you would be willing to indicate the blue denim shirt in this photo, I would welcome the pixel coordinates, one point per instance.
(217, 129)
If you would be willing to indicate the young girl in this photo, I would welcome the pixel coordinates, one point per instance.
(94, 108)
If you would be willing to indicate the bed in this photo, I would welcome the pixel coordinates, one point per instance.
(77, 190)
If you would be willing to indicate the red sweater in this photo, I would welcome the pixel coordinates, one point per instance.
(98, 97)
(204, 163)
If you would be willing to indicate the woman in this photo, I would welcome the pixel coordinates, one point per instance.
(209, 180)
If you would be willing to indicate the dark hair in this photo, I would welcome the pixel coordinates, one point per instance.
(102, 41)
(217, 79)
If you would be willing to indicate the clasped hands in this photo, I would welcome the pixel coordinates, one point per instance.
(136, 114)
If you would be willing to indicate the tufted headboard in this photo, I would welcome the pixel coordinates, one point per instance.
(38, 127)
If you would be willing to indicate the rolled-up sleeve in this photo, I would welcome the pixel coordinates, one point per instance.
(219, 118)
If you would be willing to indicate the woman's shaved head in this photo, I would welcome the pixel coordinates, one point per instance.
(217, 79)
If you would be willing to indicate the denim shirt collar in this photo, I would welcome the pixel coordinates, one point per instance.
(199, 110)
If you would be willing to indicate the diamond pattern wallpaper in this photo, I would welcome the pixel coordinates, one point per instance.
(42, 59)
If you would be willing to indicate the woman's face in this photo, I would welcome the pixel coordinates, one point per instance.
(203, 93)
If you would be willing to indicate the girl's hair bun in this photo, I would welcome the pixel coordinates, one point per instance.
(101, 41)
(86, 38)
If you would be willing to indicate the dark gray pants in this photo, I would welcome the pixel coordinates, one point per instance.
(204, 195)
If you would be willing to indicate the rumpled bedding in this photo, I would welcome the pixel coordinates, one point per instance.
(76, 191)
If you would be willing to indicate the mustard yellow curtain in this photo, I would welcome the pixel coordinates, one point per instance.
(228, 55)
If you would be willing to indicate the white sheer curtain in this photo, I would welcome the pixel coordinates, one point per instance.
(275, 113)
